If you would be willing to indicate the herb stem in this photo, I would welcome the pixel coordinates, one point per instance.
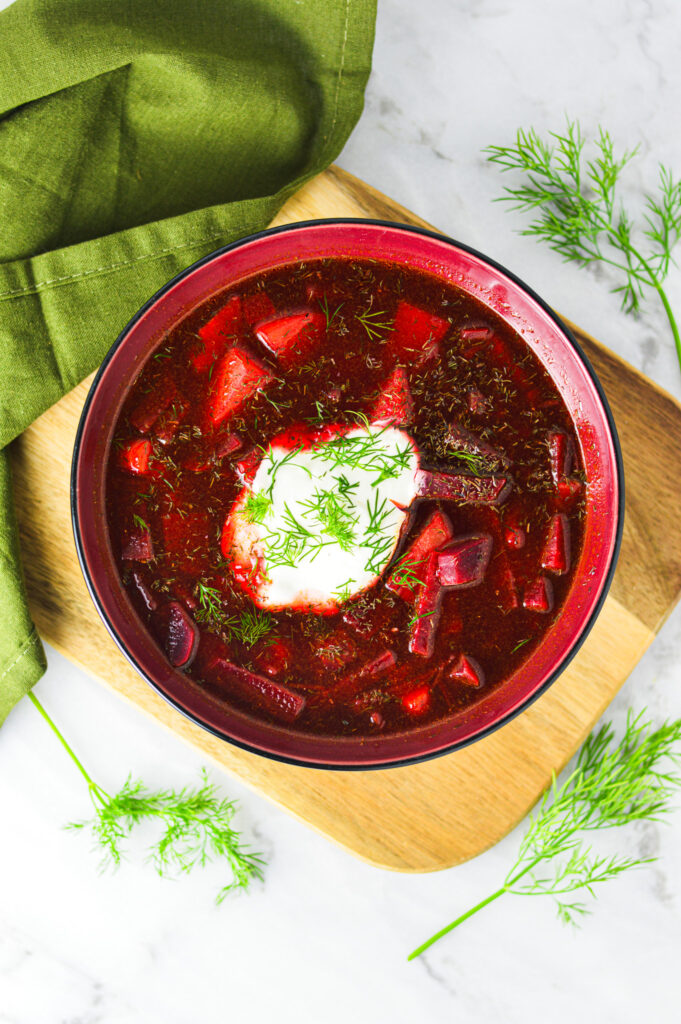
(94, 787)
(454, 924)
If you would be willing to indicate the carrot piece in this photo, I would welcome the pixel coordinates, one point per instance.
(394, 405)
(291, 338)
(216, 334)
(134, 456)
(236, 378)
(436, 531)
(556, 554)
(417, 701)
(417, 334)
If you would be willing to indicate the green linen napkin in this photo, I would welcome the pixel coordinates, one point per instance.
(136, 136)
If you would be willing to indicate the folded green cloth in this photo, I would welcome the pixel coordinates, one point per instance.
(136, 136)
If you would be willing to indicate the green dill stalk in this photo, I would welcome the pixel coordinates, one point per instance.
(196, 824)
(612, 784)
(579, 216)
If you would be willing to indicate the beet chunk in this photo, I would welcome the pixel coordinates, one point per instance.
(264, 693)
(137, 545)
(408, 572)
(177, 633)
(561, 455)
(464, 562)
(427, 611)
(468, 490)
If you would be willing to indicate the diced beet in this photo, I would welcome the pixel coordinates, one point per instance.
(478, 405)
(436, 531)
(275, 658)
(561, 455)
(218, 332)
(152, 405)
(427, 610)
(376, 719)
(134, 457)
(257, 307)
(556, 554)
(417, 701)
(514, 537)
(464, 562)
(292, 338)
(177, 633)
(137, 545)
(416, 333)
(467, 671)
(394, 405)
(461, 440)
(475, 333)
(539, 595)
(144, 591)
(236, 378)
(227, 444)
(256, 689)
(467, 490)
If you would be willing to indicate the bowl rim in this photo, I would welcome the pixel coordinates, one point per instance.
(618, 466)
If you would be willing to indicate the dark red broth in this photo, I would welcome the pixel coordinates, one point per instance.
(484, 561)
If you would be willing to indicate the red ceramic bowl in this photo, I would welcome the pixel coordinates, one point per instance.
(507, 297)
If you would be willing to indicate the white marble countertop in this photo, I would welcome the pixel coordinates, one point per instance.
(325, 938)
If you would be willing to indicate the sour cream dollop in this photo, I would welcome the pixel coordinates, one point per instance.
(319, 523)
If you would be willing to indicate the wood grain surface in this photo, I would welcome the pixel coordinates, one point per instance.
(421, 817)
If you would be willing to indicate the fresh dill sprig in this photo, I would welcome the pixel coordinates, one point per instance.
(196, 825)
(333, 512)
(613, 783)
(253, 624)
(141, 523)
(329, 313)
(211, 610)
(376, 328)
(343, 592)
(579, 216)
(257, 507)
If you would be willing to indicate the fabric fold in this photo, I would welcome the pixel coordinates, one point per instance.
(135, 137)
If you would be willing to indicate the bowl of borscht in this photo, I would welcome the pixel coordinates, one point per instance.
(347, 493)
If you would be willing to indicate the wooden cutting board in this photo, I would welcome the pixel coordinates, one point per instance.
(421, 817)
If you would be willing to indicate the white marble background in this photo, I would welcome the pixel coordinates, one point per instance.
(325, 938)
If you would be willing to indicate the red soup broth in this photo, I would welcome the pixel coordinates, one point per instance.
(329, 359)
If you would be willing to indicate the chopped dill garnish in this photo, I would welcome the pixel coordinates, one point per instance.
(257, 507)
(138, 521)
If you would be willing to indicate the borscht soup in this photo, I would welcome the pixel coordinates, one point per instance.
(345, 497)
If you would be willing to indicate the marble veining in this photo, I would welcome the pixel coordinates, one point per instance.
(325, 938)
